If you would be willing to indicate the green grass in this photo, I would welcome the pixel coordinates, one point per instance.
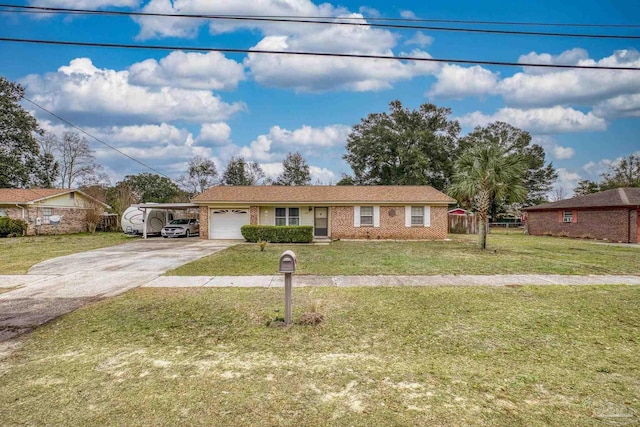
(507, 253)
(522, 356)
(17, 255)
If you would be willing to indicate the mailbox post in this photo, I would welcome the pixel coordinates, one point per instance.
(288, 267)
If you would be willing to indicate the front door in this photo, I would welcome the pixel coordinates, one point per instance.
(321, 222)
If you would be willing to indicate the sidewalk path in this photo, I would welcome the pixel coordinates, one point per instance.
(347, 281)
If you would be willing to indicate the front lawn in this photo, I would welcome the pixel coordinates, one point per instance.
(519, 356)
(19, 254)
(507, 253)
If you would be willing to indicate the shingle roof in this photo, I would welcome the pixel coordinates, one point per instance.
(323, 194)
(618, 197)
(26, 195)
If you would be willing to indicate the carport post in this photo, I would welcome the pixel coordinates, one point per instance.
(145, 215)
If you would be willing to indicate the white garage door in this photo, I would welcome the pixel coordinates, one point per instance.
(226, 223)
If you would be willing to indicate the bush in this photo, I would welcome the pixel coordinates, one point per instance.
(278, 233)
(12, 227)
(458, 229)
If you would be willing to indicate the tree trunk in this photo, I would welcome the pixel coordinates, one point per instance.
(484, 203)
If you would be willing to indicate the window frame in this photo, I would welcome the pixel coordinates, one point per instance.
(415, 223)
(366, 223)
(288, 217)
(567, 219)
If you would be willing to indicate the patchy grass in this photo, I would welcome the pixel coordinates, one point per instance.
(507, 253)
(386, 356)
(17, 255)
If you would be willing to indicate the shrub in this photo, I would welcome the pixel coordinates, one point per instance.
(458, 229)
(12, 227)
(278, 233)
(262, 244)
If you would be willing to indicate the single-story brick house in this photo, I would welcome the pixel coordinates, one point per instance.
(335, 212)
(612, 215)
(40, 207)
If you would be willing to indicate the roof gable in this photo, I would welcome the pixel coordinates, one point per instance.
(324, 194)
(617, 197)
(34, 195)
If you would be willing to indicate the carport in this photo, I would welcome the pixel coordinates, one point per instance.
(166, 207)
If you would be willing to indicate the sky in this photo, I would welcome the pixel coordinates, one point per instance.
(163, 107)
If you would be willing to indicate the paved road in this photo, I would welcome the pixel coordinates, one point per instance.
(60, 285)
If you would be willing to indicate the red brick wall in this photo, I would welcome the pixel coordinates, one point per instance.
(253, 215)
(610, 224)
(204, 222)
(391, 227)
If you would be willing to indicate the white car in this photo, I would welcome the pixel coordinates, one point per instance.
(184, 227)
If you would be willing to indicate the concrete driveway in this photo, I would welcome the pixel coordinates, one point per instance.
(60, 285)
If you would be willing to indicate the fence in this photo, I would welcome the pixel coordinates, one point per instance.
(463, 224)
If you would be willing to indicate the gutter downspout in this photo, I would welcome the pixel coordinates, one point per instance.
(22, 208)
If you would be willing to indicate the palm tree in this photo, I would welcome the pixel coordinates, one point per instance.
(485, 173)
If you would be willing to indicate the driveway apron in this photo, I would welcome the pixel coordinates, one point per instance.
(60, 285)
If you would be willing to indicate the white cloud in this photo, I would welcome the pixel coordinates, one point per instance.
(323, 175)
(85, 4)
(540, 120)
(327, 136)
(216, 133)
(566, 182)
(315, 74)
(89, 95)
(212, 71)
(407, 14)
(552, 147)
(420, 39)
(454, 81)
(368, 11)
(620, 106)
(536, 87)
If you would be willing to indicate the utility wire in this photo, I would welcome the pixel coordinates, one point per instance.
(94, 137)
(320, 54)
(332, 21)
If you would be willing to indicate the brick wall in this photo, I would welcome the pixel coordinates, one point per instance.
(610, 224)
(254, 214)
(391, 226)
(72, 222)
(204, 222)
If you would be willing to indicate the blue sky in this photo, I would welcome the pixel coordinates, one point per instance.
(164, 107)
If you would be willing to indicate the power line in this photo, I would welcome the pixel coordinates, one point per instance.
(320, 21)
(320, 54)
(94, 137)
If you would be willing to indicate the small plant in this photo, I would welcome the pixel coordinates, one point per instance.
(563, 234)
(262, 244)
(12, 227)
(458, 229)
(311, 319)
(587, 236)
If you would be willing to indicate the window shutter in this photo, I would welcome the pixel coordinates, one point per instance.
(427, 216)
(356, 216)
(559, 216)
(407, 216)
(376, 216)
(574, 216)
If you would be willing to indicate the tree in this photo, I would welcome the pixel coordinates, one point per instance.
(77, 162)
(404, 147)
(539, 178)
(202, 174)
(148, 187)
(18, 146)
(346, 180)
(623, 173)
(120, 197)
(241, 172)
(296, 171)
(586, 186)
(485, 173)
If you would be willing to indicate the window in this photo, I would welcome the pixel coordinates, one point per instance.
(366, 215)
(46, 215)
(567, 216)
(417, 215)
(287, 216)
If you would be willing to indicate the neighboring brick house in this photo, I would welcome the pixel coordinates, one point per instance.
(40, 207)
(609, 215)
(335, 212)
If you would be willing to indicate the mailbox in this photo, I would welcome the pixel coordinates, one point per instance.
(288, 262)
